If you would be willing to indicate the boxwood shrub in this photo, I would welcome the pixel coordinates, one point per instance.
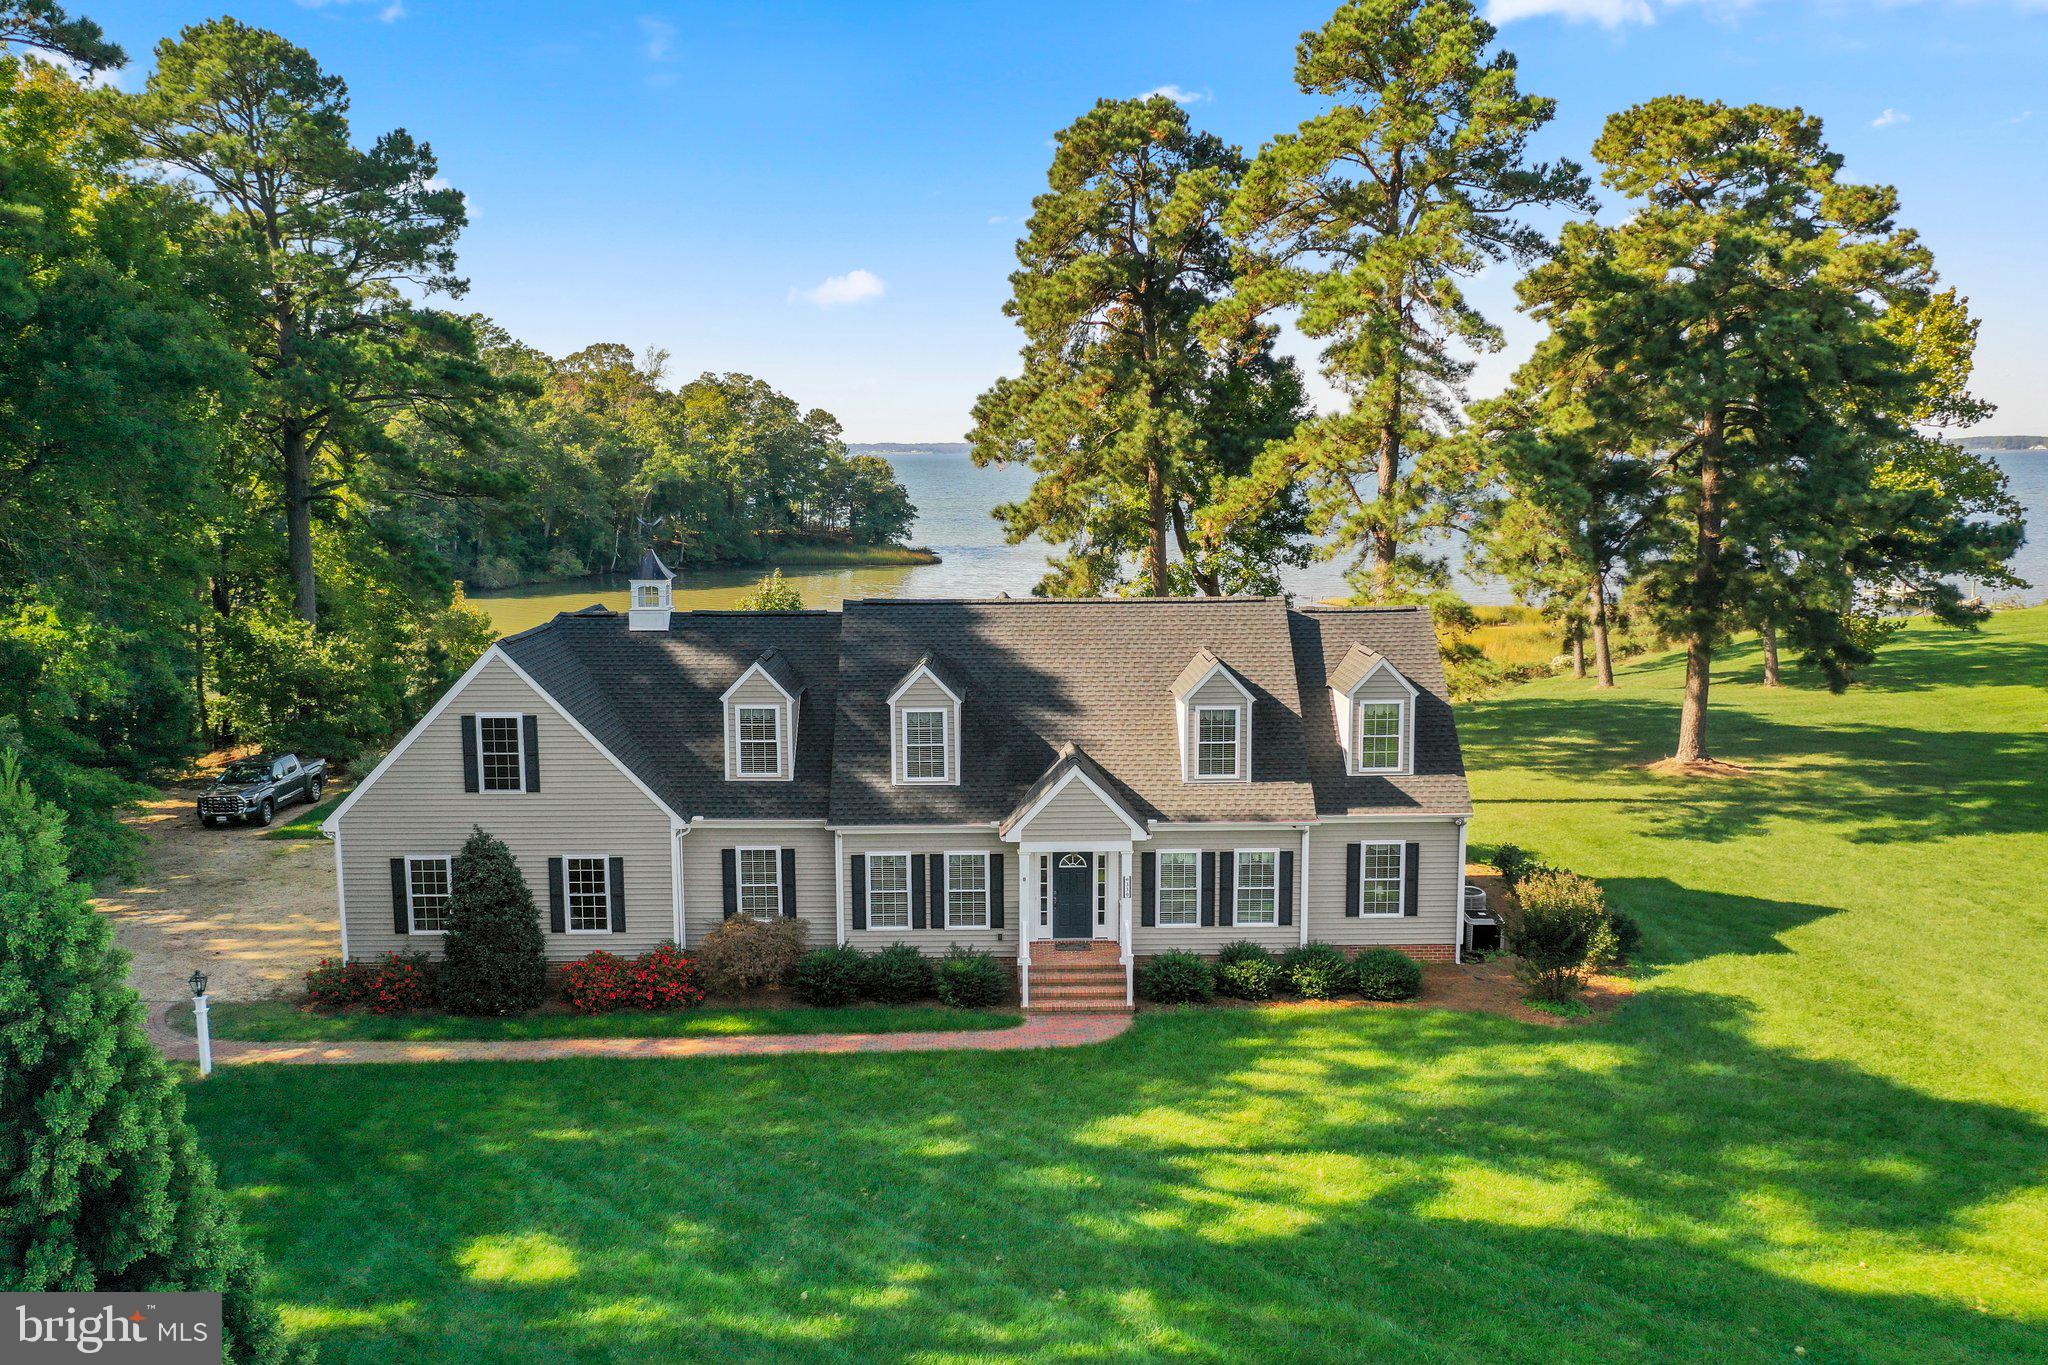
(1385, 974)
(1316, 971)
(828, 976)
(1177, 978)
(968, 979)
(1247, 971)
(897, 975)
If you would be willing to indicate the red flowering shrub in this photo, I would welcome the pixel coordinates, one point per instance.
(660, 979)
(336, 984)
(399, 983)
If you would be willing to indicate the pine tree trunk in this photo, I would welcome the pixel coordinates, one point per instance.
(1578, 652)
(1385, 543)
(1706, 585)
(298, 521)
(1603, 655)
(1155, 511)
(1769, 633)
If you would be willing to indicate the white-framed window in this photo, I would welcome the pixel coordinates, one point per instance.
(1180, 888)
(967, 890)
(760, 875)
(1381, 877)
(1258, 886)
(760, 740)
(587, 893)
(429, 881)
(1216, 729)
(924, 745)
(647, 595)
(1378, 735)
(888, 891)
(501, 753)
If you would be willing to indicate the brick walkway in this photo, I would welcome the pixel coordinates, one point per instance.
(1037, 1031)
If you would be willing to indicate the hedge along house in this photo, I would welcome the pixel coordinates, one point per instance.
(1071, 784)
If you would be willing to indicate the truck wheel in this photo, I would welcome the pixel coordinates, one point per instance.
(313, 792)
(265, 812)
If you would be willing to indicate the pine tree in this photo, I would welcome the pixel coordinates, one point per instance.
(494, 958)
(102, 1184)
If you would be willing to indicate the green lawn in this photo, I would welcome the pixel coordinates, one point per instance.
(1822, 1124)
(279, 1021)
(306, 823)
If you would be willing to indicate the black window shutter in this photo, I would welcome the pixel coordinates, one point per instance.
(401, 919)
(1351, 881)
(938, 876)
(729, 868)
(618, 881)
(995, 889)
(1411, 880)
(1226, 889)
(469, 774)
(1208, 890)
(1148, 889)
(558, 914)
(860, 891)
(1286, 886)
(529, 733)
(789, 883)
(917, 905)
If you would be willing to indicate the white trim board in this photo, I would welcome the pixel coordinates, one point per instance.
(1115, 807)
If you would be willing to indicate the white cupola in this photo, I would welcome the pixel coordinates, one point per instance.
(653, 594)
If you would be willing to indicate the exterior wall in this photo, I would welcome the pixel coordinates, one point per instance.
(1196, 938)
(1440, 883)
(925, 694)
(1384, 686)
(585, 805)
(704, 875)
(758, 690)
(999, 942)
(1077, 814)
(1218, 691)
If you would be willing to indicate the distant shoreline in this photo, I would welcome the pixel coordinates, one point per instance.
(805, 556)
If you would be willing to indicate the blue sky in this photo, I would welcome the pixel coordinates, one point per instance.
(828, 195)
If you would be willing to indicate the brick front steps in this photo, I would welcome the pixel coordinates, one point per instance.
(1086, 980)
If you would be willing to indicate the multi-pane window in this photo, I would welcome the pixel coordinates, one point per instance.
(588, 886)
(1216, 741)
(1258, 888)
(1379, 735)
(647, 595)
(427, 884)
(924, 746)
(760, 882)
(1379, 879)
(498, 751)
(967, 891)
(1180, 888)
(888, 891)
(760, 741)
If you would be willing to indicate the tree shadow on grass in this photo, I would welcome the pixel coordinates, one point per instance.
(1315, 1184)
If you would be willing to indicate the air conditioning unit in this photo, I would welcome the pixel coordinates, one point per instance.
(1482, 926)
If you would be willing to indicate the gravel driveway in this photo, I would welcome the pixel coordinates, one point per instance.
(253, 912)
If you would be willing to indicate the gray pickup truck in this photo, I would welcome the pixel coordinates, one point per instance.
(251, 790)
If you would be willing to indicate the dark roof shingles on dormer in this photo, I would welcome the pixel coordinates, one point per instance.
(1324, 640)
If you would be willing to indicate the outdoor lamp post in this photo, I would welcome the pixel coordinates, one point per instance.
(198, 981)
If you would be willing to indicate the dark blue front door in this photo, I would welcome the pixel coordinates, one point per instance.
(1073, 895)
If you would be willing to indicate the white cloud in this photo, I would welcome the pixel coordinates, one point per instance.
(1889, 118)
(855, 286)
(998, 218)
(388, 11)
(1176, 94)
(1606, 13)
(658, 38)
(120, 78)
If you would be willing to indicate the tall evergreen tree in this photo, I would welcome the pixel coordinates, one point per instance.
(1130, 425)
(494, 958)
(1739, 315)
(102, 1184)
(46, 27)
(1363, 221)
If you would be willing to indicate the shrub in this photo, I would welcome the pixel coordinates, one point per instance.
(828, 976)
(1243, 950)
(1178, 978)
(1625, 937)
(1514, 862)
(665, 978)
(1249, 978)
(744, 955)
(968, 979)
(1317, 971)
(896, 975)
(337, 985)
(1554, 931)
(400, 983)
(660, 978)
(494, 959)
(1386, 974)
(595, 983)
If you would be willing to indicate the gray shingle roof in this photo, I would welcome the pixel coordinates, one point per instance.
(1037, 676)
(1071, 757)
(1358, 664)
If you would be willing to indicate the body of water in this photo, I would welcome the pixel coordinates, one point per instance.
(953, 499)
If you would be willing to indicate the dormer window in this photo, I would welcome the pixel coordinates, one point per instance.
(1216, 730)
(924, 746)
(762, 708)
(760, 740)
(1375, 710)
(1379, 729)
(924, 727)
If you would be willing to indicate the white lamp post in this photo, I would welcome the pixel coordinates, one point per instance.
(199, 1018)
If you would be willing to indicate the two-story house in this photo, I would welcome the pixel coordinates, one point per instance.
(1070, 784)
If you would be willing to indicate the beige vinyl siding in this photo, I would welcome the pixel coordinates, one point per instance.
(1440, 881)
(1196, 938)
(1383, 685)
(585, 805)
(925, 694)
(1077, 813)
(933, 843)
(1220, 691)
(704, 875)
(758, 690)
